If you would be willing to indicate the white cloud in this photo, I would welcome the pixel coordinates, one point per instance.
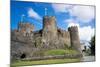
(33, 14)
(82, 13)
(71, 22)
(60, 7)
(85, 33)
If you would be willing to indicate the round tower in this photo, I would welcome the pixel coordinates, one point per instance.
(74, 36)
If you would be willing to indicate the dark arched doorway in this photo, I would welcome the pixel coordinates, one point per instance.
(23, 56)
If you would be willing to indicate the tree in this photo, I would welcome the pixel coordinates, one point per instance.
(92, 45)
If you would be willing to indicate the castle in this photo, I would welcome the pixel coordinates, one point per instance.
(25, 40)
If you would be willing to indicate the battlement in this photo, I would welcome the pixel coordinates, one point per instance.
(73, 28)
(27, 27)
(53, 17)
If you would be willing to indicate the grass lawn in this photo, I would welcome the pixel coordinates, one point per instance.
(60, 52)
(42, 62)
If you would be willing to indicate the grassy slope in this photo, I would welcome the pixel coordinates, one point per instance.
(41, 62)
(50, 61)
(60, 52)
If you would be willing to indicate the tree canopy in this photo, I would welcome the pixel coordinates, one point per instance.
(92, 45)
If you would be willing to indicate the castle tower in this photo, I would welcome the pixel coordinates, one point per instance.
(25, 28)
(75, 41)
(49, 27)
(49, 24)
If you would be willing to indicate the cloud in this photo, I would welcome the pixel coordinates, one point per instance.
(33, 14)
(85, 33)
(71, 22)
(82, 13)
(61, 7)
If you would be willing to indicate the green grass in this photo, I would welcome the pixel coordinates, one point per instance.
(48, 61)
(60, 52)
(55, 52)
(71, 51)
(42, 62)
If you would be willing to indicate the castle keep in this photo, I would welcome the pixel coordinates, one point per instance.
(25, 40)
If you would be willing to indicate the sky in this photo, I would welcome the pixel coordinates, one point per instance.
(66, 15)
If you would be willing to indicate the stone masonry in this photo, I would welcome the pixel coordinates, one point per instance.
(25, 40)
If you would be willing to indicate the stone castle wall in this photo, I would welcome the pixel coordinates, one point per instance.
(50, 37)
(64, 36)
